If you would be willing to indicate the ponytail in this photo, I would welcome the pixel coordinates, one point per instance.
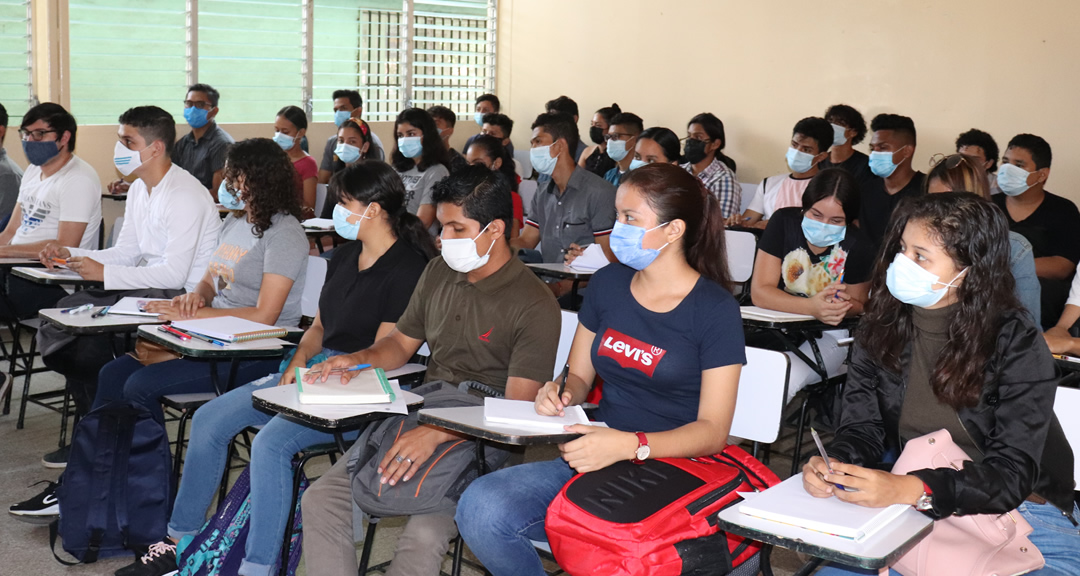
(409, 229)
(726, 160)
(708, 252)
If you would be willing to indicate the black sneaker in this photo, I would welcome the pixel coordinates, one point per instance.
(159, 560)
(57, 458)
(40, 509)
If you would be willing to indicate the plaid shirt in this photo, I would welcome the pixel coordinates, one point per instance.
(721, 182)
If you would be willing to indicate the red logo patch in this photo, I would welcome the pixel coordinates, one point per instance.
(630, 352)
(485, 335)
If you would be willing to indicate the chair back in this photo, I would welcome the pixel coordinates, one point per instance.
(313, 284)
(523, 163)
(741, 250)
(527, 189)
(114, 234)
(748, 191)
(320, 199)
(1066, 407)
(762, 394)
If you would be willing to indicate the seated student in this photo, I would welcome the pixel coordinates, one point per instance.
(347, 105)
(290, 127)
(10, 175)
(58, 201)
(445, 119)
(962, 173)
(891, 149)
(704, 159)
(202, 151)
(1059, 338)
(487, 104)
(656, 144)
(809, 147)
(476, 288)
(849, 129)
(982, 146)
(421, 160)
(811, 260)
(945, 345)
(671, 292)
(621, 141)
(384, 267)
(1048, 221)
(595, 158)
(574, 206)
(499, 126)
(354, 141)
(170, 231)
(489, 152)
(565, 105)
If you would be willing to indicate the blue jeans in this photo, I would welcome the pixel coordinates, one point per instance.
(126, 378)
(212, 429)
(1052, 534)
(501, 512)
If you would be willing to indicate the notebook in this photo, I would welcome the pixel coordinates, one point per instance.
(755, 313)
(54, 274)
(591, 260)
(318, 223)
(129, 306)
(231, 329)
(788, 503)
(522, 413)
(366, 387)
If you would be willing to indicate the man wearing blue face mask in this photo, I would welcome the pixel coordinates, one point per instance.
(892, 148)
(202, 151)
(810, 141)
(1048, 221)
(347, 104)
(621, 139)
(574, 207)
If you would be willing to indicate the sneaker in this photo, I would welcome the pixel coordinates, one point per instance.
(159, 560)
(57, 458)
(43, 508)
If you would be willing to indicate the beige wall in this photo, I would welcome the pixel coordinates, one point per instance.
(762, 65)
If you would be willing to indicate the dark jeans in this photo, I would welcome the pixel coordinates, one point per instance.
(25, 298)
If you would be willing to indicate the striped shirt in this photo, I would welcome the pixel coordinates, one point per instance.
(721, 182)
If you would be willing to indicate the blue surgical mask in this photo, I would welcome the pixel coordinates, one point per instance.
(635, 164)
(616, 149)
(479, 118)
(347, 153)
(881, 163)
(284, 140)
(798, 161)
(625, 241)
(341, 116)
(39, 153)
(342, 226)
(912, 284)
(411, 146)
(838, 137)
(196, 117)
(1013, 179)
(228, 199)
(821, 234)
(542, 160)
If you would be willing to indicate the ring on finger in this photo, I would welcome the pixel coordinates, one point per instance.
(409, 460)
(398, 458)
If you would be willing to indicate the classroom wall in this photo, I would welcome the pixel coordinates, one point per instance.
(761, 66)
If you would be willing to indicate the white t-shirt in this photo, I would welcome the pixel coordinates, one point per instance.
(73, 194)
(776, 192)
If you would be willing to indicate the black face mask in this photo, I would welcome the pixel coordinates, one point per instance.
(695, 150)
(596, 134)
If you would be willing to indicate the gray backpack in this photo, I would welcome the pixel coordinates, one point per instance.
(439, 483)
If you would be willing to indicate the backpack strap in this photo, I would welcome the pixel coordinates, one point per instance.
(54, 531)
(103, 474)
(119, 488)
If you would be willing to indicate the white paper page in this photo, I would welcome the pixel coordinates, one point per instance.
(522, 413)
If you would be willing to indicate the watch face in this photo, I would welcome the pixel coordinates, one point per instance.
(642, 452)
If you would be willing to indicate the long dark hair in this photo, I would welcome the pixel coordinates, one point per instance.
(714, 127)
(369, 181)
(834, 183)
(673, 193)
(666, 139)
(269, 180)
(492, 148)
(975, 235)
(435, 151)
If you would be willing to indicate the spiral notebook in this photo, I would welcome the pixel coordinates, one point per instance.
(231, 329)
(366, 387)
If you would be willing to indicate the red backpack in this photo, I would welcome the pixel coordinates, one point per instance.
(657, 518)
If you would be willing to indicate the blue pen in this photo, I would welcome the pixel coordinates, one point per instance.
(198, 336)
(349, 369)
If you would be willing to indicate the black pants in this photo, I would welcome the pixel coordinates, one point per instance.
(25, 298)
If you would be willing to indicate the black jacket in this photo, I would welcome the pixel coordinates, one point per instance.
(1024, 448)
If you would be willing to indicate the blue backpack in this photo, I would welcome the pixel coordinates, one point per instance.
(114, 495)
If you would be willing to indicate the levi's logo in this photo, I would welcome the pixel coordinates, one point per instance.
(631, 352)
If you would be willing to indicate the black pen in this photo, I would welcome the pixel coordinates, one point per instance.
(100, 313)
(565, 375)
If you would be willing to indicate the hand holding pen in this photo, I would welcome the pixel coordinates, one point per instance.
(553, 399)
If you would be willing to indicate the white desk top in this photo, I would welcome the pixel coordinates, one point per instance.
(20, 262)
(84, 323)
(470, 420)
(285, 400)
(562, 270)
(198, 348)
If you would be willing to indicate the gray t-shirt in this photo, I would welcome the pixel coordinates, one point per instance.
(241, 259)
(418, 185)
(10, 179)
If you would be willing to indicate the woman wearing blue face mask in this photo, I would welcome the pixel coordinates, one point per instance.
(945, 344)
(383, 266)
(354, 140)
(669, 299)
(811, 261)
(421, 159)
(290, 127)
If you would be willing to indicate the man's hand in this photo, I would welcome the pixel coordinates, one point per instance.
(88, 268)
(572, 253)
(118, 187)
(53, 250)
(411, 450)
(1059, 340)
(324, 370)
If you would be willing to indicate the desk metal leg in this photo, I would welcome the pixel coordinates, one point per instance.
(573, 295)
(340, 440)
(215, 381)
(809, 567)
(765, 560)
(369, 541)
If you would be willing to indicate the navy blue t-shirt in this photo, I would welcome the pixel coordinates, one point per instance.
(651, 362)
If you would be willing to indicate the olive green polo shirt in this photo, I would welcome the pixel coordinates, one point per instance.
(506, 325)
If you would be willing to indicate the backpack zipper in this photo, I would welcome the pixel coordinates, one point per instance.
(708, 499)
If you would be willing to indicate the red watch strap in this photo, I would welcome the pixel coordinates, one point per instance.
(642, 439)
(926, 489)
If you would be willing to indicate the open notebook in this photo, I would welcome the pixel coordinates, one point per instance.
(129, 306)
(318, 224)
(366, 387)
(231, 329)
(788, 503)
(755, 313)
(522, 413)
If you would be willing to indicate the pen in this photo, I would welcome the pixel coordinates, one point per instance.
(77, 309)
(839, 280)
(104, 310)
(821, 450)
(198, 336)
(565, 375)
(340, 370)
(60, 261)
(170, 330)
(1066, 358)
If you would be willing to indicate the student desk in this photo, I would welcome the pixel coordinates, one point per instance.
(83, 323)
(563, 272)
(39, 276)
(880, 550)
(120, 197)
(317, 234)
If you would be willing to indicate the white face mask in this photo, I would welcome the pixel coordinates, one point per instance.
(460, 253)
(125, 159)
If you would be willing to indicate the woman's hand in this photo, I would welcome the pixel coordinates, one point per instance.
(814, 473)
(289, 375)
(874, 488)
(187, 305)
(323, 371)
(548, 402)
(831, 305)
(598, 447)
(1059, 340)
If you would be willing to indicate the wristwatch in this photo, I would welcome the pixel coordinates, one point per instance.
(925, 503)
(643, 450)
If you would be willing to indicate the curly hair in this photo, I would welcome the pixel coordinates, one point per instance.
(268, 177)
(975, 235)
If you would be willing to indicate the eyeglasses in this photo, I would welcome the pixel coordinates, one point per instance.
(951, 161)
(35, 135)
(617, 136)
(198, 104)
